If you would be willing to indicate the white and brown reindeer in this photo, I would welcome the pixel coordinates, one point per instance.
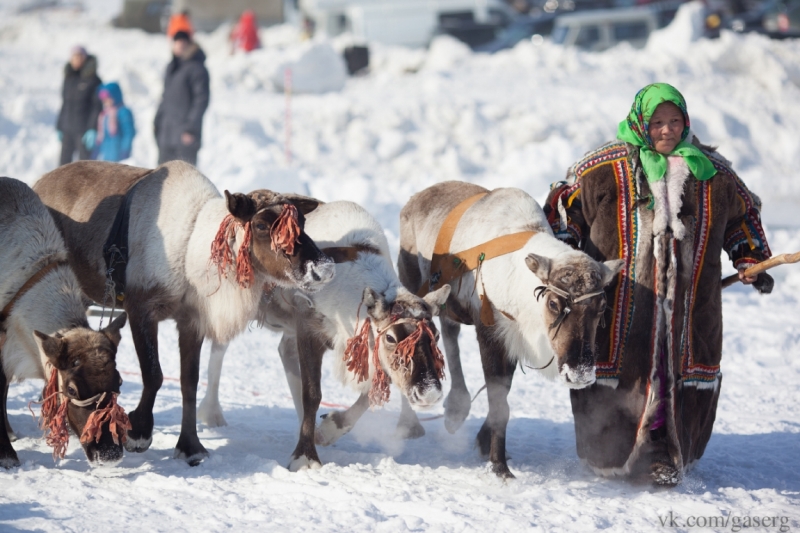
(44, 334)
(532, 299)
(379, 332)
(192, 255)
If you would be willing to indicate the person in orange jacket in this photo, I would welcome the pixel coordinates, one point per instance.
(244, 35)
(180, 22)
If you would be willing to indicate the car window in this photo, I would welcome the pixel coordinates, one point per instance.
(559, 34)
(630, 31)
(587, 36)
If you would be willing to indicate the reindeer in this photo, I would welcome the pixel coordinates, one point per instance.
(532, 299)
(192, 256)
(44, 334)
(379, 333)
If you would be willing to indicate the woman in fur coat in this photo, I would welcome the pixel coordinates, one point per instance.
(668, 206)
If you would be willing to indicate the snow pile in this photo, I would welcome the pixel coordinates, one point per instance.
(687, 27)
(516, 118)
(320, 69)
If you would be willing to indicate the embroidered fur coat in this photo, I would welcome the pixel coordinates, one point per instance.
(660, 344)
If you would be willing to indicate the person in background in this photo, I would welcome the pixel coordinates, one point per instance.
(179, 119)
(115, 127)
(78, 116)
(180, 22)
(244, 35)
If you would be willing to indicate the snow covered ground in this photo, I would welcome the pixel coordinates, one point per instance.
(518, 118)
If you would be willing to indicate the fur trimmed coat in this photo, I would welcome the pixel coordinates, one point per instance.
(652, 409)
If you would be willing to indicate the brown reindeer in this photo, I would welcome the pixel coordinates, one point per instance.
(192, 255)
(40, 293)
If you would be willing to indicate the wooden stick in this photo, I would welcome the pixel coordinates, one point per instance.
(783, 259)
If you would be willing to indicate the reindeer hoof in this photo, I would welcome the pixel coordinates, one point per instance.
(665, 475)
(456, 409)
(190, 450)
(304, 463)
(210, 414)
(12, 437)
(140, 437)
(9, 460)
(138, 445)
(501, 470)
(408, 432)
(193, 459)
(330, 429)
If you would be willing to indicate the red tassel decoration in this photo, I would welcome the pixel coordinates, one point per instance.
(356, 353)
(114, 415)
(380, 391)
(285, 231)
(222, 255)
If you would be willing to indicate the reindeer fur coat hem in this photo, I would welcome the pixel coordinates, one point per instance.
(665, 306)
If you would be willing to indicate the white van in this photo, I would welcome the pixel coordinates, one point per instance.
(396, 22)
(600, 29)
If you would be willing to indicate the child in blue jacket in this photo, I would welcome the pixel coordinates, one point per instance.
(115, 128)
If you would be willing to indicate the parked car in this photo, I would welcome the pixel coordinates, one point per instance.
(778, 19)
(600, 29)
(143, 14)
(520, 29)
(463, 26)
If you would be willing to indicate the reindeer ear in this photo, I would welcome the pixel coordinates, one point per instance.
(240, 205)
(539, 265)
(51, 347)
(112, 330)
(304, 204)
(610, 270)
(437, 299)
(375, 304)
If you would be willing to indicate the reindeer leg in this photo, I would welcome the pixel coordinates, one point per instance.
(498, 371)
(311, 349)
(408, 426)
(210, 411)
(339, 423)
(291, 367)
(11, 435)
(144, 329)
(8, 457)
(458, 402)
(190, 342)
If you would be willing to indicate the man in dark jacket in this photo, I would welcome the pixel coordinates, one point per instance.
(77, 121)
(179, 120)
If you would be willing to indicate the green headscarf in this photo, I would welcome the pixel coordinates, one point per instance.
(635, 130)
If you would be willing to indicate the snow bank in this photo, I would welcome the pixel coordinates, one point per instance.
(320, 69)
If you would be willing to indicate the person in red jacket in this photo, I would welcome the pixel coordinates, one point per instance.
(244, 35)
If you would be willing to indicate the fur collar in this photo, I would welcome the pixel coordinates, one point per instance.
(668, 194)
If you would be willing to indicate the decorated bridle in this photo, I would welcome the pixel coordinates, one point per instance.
(569, 302)
(284, 232)
(356, 354)
(54, 417)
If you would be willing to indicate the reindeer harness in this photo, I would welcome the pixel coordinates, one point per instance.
(447, 266)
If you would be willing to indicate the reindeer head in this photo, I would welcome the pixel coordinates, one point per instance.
(82, 391)
(278, 245)
(573, 302)
(405, 351)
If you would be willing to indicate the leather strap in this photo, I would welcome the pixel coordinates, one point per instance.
(348, 254)
(446, 266)
(28, 285)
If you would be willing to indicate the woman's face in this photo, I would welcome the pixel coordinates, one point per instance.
(666, 127)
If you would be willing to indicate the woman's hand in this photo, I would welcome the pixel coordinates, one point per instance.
(747, 280)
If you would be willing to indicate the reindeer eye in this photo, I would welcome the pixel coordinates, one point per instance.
(261, 226)
(71, 391)
(76, 362)
(390, 339)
